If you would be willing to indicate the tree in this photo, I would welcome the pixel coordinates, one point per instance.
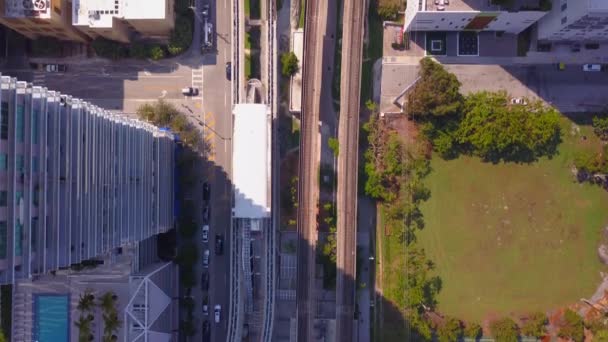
(495, 131)
(289, 64)
(2, 338)
(388, 11)
(600, 127)
(473, 330)
(187, 254)
(573, 327)
(84, 328)
(436, 94)
(86, 301)
(535, 325)
(106, 302)
(505, 330)
(334, 145)
(156, 52)
(450, 330)
(181, 36)
(139, 50)
(601, 336)
(109, 49)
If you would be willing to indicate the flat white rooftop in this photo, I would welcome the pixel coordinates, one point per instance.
(100, 13)
(251, 161)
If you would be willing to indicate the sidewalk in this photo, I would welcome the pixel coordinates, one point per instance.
(533, 58)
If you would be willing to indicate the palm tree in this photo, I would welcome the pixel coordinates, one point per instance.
(86, 301)
(106, 302)
(111, 325)
(84, 328)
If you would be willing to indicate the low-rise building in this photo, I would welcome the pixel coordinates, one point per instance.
(121, 20)
(575, 20)
(471, 15)
(34, 18)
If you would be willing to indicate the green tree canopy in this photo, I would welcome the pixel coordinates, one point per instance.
(450, 330)
(473, 330)
(601, 336)
(504, 330)
(573, 327)
(388, 11)
(289, 64)
(495, 130)
(437, 93)
(535, 325)
(600, 127)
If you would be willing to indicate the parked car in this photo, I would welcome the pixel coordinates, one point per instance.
(229, 71)
(205, 11)
(219, 244)
(519, 101)
(206, 258)
(190, 91)
(205, 281)
(592, 67)
(206, 191)
(205, 233)
(55, 68)
(206, 214)
(205, 306)
(217, 313)
(206, 330)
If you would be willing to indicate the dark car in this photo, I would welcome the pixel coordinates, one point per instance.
(206, 214)
(229, 71)
(205, 281)
(219, 244)
(206, 330)
(206, 191)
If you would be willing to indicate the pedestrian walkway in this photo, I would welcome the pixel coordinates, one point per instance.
(197, 82)
(39, 79)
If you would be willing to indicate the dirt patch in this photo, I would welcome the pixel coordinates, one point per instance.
(407, 129)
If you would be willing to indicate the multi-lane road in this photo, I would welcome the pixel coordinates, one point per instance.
(348, 137)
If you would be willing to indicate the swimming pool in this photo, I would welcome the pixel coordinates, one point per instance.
(51, 318)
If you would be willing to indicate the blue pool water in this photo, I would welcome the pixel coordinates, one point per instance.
(51, 318)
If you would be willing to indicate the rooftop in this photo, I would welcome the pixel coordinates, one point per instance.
(28, 8)
(479, 5)
(601, 5)
(251, 161)
(100, 13)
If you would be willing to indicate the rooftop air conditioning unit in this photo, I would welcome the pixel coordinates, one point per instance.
(40, 5)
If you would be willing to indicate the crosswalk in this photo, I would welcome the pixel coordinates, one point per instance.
(197, 82)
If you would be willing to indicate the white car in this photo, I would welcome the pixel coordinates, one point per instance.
(519, 101)
(205, 307)
(592, 67)
(206, 233)
(217, 313)
(206, 258)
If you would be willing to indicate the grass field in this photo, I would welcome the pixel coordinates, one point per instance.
(509, 239)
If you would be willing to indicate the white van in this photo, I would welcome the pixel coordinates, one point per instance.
(592, 67)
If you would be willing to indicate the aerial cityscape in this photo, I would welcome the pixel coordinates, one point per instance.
(303, 170)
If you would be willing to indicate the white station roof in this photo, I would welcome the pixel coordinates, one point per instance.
(251, 161)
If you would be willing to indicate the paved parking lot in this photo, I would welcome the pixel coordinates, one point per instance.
(570, 90)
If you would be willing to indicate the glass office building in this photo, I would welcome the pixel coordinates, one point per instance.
(76, 181)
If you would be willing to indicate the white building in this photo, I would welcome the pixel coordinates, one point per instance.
(120, 19)
(474, 15)
(580, 20)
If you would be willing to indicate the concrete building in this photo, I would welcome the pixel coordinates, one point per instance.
(145, 288)
(76, 181)
(471, 15)
(575, 20)
(121, 20)
(34, 18)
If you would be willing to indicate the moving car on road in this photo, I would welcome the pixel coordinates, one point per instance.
(217, 313)
(229, 71)
(206, 330)
(190, 91)
(205, 11)
(205, 233)
(205, 281)
(206, 258)
(592, 67)
(205, 306)
(219, 244)
(206, 213)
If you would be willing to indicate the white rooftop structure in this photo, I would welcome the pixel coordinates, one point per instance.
(100, 13)
(251, 161)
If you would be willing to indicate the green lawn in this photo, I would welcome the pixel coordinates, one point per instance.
(247, 8)
(302, 14)
(510, 239)
(247, 66)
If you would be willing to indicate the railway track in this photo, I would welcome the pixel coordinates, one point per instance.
(308, 167)
(348, 135)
